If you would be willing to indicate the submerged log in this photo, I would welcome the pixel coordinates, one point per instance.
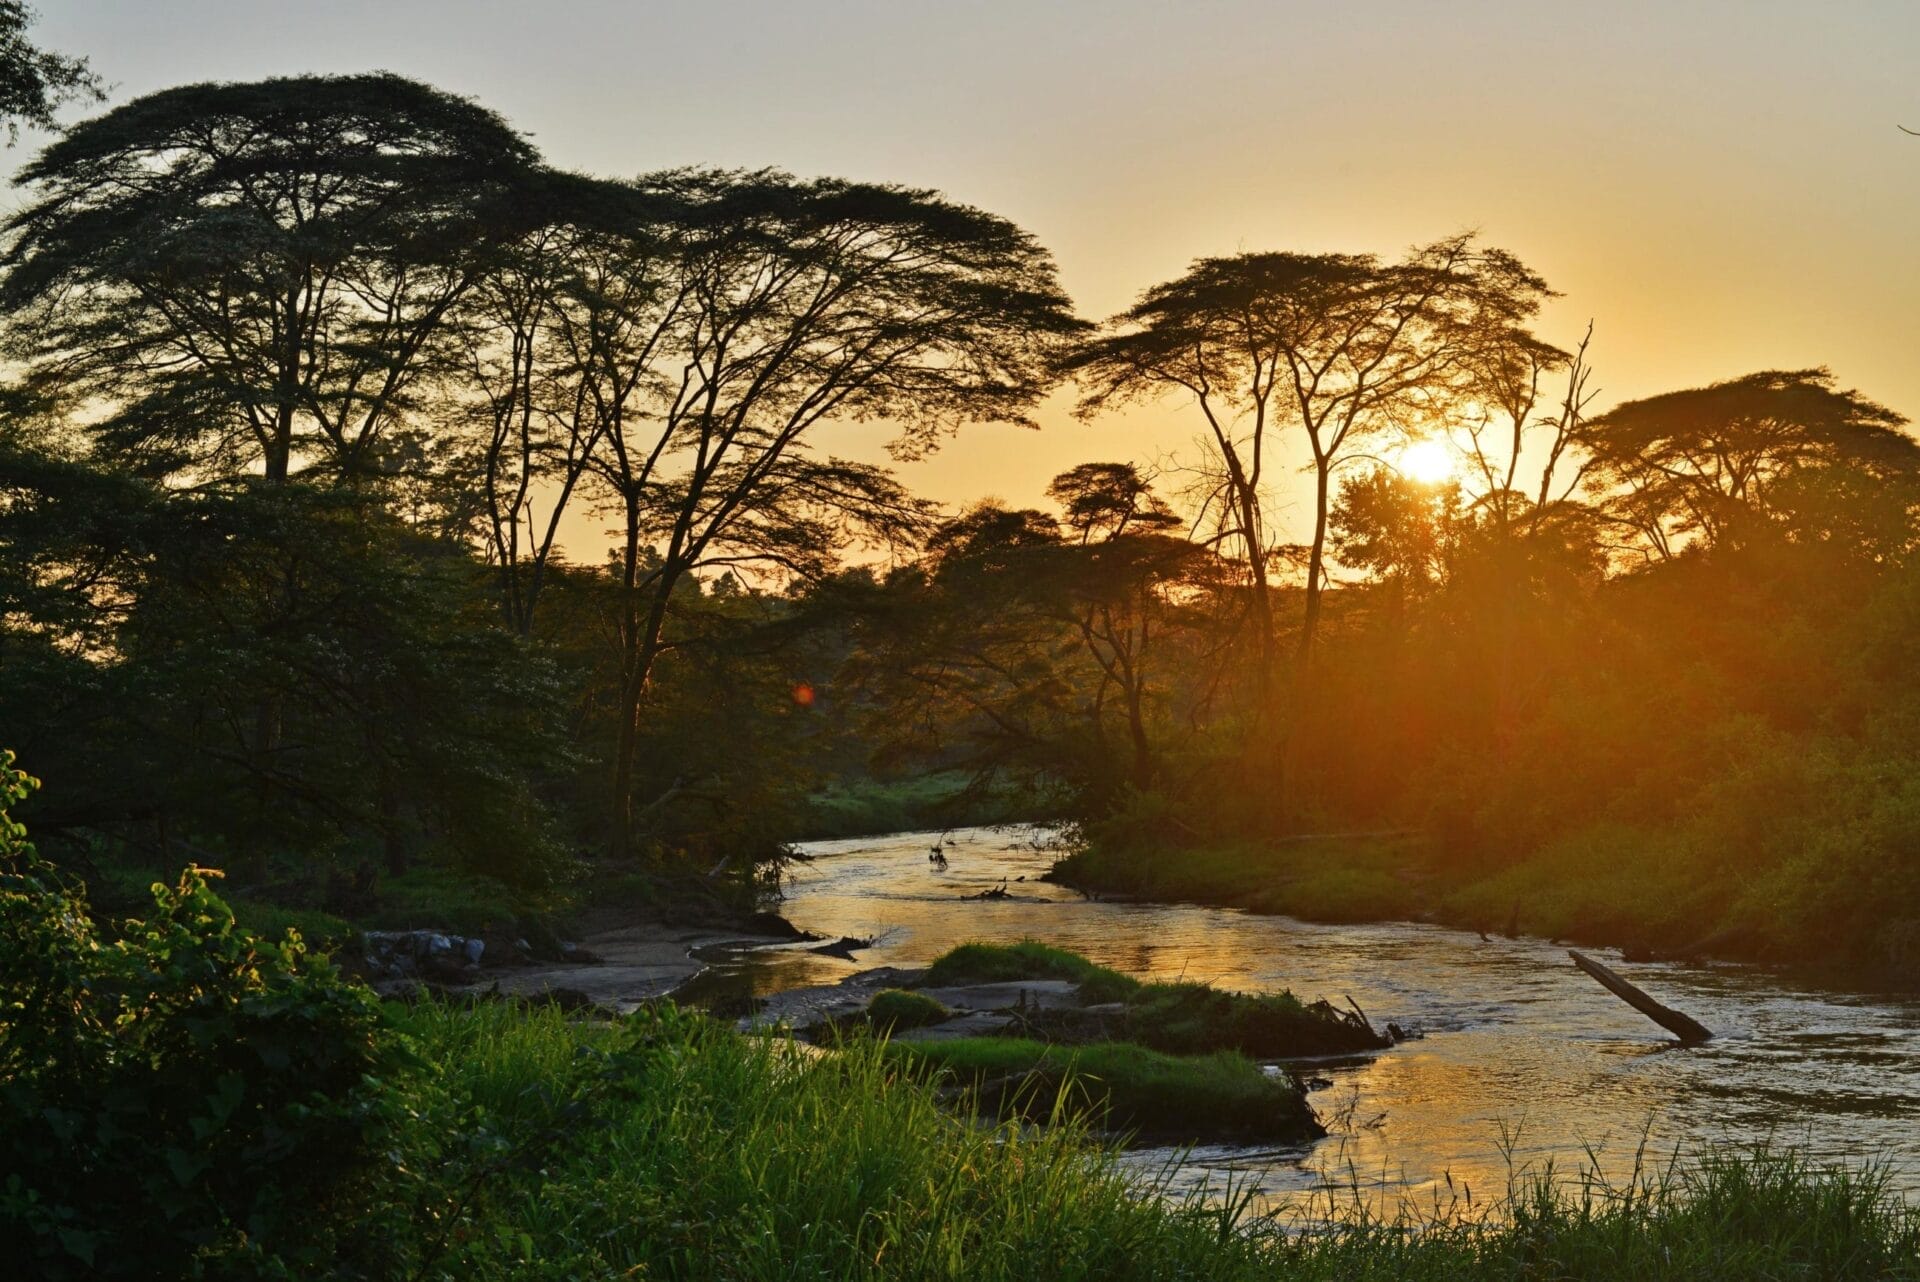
(1690, 1031)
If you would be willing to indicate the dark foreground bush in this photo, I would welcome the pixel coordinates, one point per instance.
(184, 1100)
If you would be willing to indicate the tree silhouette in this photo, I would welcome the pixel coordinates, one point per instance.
(554, 347)
(1700, 464)
(237, 276)
(786, 304)
(1334, 345)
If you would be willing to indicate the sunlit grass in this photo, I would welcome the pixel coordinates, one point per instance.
(896, 1008)
(677, 1149)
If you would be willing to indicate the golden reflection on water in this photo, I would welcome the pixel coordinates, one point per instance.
(1523, 1064)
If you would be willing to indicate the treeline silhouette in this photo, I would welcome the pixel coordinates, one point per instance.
(314, 372)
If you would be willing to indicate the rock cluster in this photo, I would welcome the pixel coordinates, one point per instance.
(423, 954)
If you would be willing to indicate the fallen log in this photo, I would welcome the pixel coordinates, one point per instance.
(1690, 1031)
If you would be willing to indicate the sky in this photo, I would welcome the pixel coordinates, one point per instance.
(1719, 187)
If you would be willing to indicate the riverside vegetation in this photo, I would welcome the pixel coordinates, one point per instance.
(156, 1122)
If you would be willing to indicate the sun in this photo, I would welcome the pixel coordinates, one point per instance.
(1429, 462)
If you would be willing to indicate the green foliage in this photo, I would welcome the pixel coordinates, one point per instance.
(449, 899)
(186, 1100)
(250, 668)
(896, 1008)
(322, 932)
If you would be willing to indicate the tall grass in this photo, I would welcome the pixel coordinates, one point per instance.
(668, 1147)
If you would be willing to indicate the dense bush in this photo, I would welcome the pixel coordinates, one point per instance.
(182, 1100)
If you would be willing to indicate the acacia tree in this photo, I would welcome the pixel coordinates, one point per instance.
(557, 344)
(791, 304)
(1699, 465)
(227, 277)
(1332, 346)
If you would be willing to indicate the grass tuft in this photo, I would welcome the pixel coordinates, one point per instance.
(896, 1008)
(1181, 1019)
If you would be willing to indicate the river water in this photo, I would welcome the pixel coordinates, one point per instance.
(1521, 1060)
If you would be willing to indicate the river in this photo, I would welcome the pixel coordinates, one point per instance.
(1520, 1059)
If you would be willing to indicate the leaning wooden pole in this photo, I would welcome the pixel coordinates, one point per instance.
(1690, 1031)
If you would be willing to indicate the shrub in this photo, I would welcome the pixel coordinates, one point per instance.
(186, 1100)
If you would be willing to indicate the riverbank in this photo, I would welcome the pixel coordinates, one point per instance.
(307, 1131)
(1601, 891)
(690, 1152)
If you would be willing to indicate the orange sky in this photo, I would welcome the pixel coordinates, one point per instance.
(1720, 186)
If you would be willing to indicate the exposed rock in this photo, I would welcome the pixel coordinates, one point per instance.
(402, 954)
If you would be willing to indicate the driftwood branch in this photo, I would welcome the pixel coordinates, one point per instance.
(1690, 1031)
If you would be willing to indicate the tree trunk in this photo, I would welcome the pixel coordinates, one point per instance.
(632, 682)
(1293, 742)
(642, 642)
(1316, 562)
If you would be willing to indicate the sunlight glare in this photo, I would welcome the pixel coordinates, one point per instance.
(1429, 462)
